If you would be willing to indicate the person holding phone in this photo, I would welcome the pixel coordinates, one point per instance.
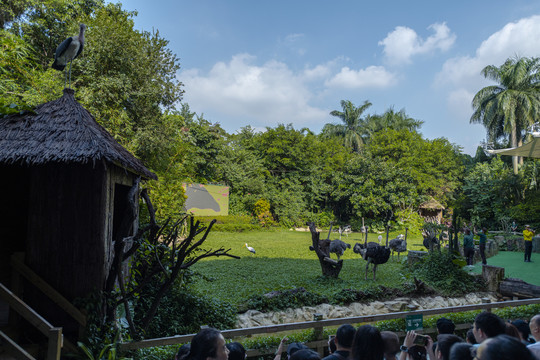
(343, 341)
(416, 346)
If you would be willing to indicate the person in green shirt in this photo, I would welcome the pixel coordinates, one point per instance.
(482, 234)
(528, 234)
(468, 247)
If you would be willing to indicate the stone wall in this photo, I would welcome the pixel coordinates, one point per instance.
(253, 318)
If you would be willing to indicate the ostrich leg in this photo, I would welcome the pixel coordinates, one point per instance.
(367, 267)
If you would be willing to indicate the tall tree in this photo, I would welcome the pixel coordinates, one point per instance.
(513, 104)
(352, 129)
(391, 119)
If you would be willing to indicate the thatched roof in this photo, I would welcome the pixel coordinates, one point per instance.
(432, 204)
(62, 131)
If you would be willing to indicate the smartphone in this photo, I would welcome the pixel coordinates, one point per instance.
(421, 340)
(331, 337)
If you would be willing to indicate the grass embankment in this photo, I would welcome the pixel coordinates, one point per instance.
(283, 261)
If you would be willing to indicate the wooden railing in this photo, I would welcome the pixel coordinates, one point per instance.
(319, 325)
(20, 269)
(54, 334)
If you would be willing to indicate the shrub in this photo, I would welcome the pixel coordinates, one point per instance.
(281, 300)
(439, 269)
(183, 312)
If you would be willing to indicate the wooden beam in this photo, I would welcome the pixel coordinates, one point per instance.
(55, 344)
(55, 296)
(25, 311)
(18, 351)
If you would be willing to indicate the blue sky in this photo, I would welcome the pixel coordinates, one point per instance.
(262, 63)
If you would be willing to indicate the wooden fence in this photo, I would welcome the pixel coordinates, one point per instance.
(319, 325)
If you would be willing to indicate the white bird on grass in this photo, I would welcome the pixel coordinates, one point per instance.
(251, 250)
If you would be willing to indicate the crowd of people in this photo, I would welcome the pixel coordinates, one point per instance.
(490, 338)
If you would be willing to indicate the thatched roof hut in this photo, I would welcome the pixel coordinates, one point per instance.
(62, 131)
(65, 182)
(431, 210)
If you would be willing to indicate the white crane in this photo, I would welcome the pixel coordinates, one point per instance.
(251, 250)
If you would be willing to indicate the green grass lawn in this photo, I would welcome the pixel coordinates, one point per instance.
(283, 261)
(515, 267)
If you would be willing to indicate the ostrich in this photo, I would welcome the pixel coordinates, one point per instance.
(338, 247)
(399, 244)
(251, 250)
(373, 253)
(68, 50)
(430, 238)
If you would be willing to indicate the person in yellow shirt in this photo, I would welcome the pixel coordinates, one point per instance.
(528, 234)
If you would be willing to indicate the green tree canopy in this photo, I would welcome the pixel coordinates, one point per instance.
(513, 104)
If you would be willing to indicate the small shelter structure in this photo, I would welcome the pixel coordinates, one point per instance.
(431, 211)
(65, 184)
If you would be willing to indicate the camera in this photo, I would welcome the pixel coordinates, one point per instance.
(421, 340)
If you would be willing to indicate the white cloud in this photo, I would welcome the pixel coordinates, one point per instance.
(520, 38)
(370, 77)
(259, 95)
(403, 43)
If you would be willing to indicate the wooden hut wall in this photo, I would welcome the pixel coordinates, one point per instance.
(66, 227)
(13, 215)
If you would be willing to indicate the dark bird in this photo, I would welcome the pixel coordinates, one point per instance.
(373, 253)
(430, 241)
(398, 244)
(338, 247)
(68, 50)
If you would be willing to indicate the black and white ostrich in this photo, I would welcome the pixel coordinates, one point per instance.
(399, 244)
(338, 247)
(430, 237)
(373, 253)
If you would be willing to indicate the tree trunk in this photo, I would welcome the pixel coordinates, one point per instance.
(513, 139)
(329, 267)
(493, 276)
(519, 288)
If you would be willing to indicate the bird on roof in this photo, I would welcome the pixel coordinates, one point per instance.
(251, 250)
(68, 50)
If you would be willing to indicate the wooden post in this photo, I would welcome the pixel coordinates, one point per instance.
(55, 343)
(318, 333)
(486, 301)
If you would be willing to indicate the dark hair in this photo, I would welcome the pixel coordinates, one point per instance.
(390, 341)
(461, 351)
(470, 337)
(294, 347)
(511, 330)
(367, 344)
(504, 347)
(183, 351)
(490, 324)
(204, 344)
(345, 335)
(445, 326)
(236, 351)
(445, 342)
(418, 352)
(523, 328)
(305, 354)
(467, 232)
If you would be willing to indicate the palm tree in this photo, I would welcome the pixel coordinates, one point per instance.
(353, 127)
(512, 105)
(392, 120)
